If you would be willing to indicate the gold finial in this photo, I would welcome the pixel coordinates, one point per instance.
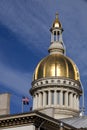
(57, 15)
(56, 23)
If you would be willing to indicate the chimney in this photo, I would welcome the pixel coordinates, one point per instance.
(4, 103)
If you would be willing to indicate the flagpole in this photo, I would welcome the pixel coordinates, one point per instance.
(25, 101)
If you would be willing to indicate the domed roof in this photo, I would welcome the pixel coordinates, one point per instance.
(56, 65)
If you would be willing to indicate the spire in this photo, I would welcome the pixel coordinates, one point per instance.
(56, 15)
(56, 23)
(57, 45)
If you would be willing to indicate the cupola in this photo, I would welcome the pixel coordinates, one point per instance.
(56, 86)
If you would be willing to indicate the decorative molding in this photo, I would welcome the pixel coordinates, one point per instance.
(56, 81)
(35, 118)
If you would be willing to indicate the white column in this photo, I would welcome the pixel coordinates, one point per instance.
(39, 100)
(78, 103)
(44, 98)
(74, 101)
(77, 98)
(60, 38)
(33, 102)
(36, 105)
(58, 97)
(71, 100)
(61, 98)
(49, 98)
(66, 99)
(55, 98)
(52, 37)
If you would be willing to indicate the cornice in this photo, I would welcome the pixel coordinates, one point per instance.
(35, 118)
(55, 82)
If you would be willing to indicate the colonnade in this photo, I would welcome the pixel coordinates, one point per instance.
(55, 36)
(56, 98)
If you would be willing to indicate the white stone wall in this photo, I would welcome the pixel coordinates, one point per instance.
(30, 127)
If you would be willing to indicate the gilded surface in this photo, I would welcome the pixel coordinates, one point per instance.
(56, 23)
(56, 65)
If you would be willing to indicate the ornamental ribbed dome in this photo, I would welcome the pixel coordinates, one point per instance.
(56, 65)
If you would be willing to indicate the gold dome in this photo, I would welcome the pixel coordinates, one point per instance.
(56, 65)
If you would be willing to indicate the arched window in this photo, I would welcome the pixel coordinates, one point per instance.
(52, 80)
(41, 82)
(58, 81)
(64, 82)
(46, 82)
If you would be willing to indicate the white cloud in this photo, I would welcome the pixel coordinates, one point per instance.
(21, 19)
(17, 81)
(30, 19)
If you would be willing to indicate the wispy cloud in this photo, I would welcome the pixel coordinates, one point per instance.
(17, 81)
(30, 19)
(22, 19)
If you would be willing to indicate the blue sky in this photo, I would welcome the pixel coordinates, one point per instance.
(25, 38)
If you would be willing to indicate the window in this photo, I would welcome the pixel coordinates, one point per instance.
(69, 83)
(41, 82)
(74, 84)
(58, 81)
(64, 82)
(46, 82)
(52, 81)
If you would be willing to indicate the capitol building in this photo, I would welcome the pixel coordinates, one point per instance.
(56, 91)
